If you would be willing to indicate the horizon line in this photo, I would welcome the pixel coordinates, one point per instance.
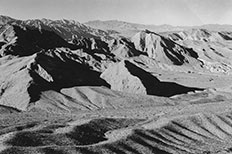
(15, 18)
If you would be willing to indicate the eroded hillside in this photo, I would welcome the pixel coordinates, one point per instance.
(68, 88)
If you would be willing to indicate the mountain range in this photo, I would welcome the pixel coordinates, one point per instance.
(159, 79)
(129, 29)
(52, 55)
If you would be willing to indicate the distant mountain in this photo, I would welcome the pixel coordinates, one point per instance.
(6, 19)
(67, 29)
(114, 25)
(23, 41)
(216, 27)
(213, 47)
(201, 35)
(129, 29)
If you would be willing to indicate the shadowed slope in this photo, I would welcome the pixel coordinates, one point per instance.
(154, 86)
(164, 50)
(63, 71)
(67, 29)
(48, 70)
(213, 47)
(123, 48)
(24, 41)
(127, 77)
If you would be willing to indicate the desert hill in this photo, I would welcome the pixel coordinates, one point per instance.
(213, 48)
(126, 76)
(163, 49)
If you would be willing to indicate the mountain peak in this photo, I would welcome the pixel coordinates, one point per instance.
(5, 19)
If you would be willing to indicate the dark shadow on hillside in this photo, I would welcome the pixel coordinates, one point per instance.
(225, 35)
(65, 73)
(93, 46)
(13, 150)
(1, 44)
(174, 51)
(94, 131)
(86, 134)
(66, 70)
(156, 87)
(30, 41)
(174, 55)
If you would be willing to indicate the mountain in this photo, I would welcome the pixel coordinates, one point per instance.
(163, 49)
(202, 35)
(128, 29)
(123, 48)
(68, 88)
(47, 56)
(67, 29)
(113, 25)
(213, 47)
(24, 41)
(5, 19)
(50, 70)
(46, 61)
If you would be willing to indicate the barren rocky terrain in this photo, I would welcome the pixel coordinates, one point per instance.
(114, 87)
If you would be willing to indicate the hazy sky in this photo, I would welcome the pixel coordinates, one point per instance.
(174, 12)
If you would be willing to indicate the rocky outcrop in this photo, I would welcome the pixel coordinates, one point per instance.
(163, 50)
(123, 48)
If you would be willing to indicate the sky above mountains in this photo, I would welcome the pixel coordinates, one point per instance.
(173, 12)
